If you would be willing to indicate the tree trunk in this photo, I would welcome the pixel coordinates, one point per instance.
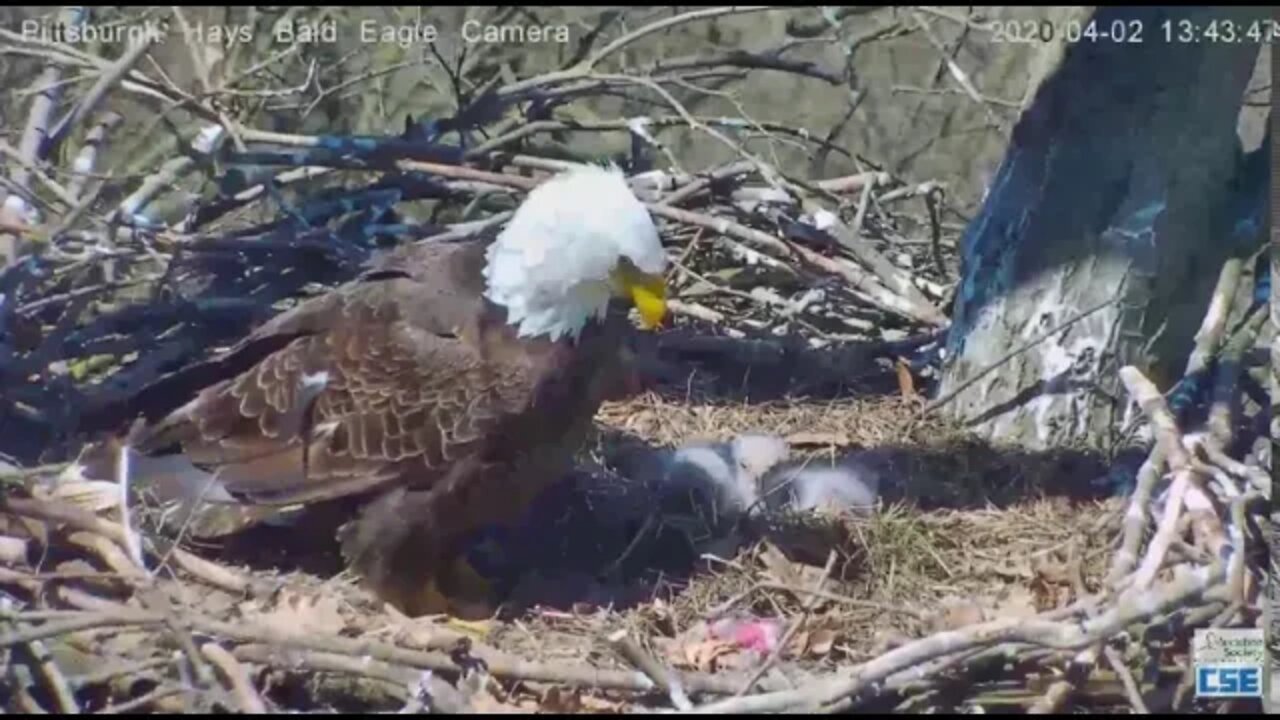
(1117, 187)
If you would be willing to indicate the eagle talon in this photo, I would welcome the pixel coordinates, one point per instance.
(454, 614)
(478, 629)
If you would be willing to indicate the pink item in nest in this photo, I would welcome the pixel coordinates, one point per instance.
(752, 634)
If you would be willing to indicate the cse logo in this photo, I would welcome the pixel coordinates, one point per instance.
(1225, 681)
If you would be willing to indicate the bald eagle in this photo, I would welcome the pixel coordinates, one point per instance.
(439, 392)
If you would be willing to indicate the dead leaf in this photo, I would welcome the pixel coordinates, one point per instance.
(300, 614)
(957, 613)
(561, 701)
(779, 567)
(906, 385)
(821, 642)
(738, 662)
(484, 702)
(1048, 595)
(702, 656)
(799, 644)
(594, 703)
(1054, 573)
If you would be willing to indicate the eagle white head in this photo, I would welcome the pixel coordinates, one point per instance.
(578, 239)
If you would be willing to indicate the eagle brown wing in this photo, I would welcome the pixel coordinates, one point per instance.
(383, 380)
(405, 388)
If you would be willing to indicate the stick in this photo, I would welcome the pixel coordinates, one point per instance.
(499, 664)
(1186, 479)
(662, 677)
(210, 573)
(1135, 517)
(1126, 678)
(1209, 337)
(236, 676)
(1192, 585)
(442, 696)
(585, 67)
(106, 80)
(132, 543)
(54, 680)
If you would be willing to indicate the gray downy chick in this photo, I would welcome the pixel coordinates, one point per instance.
(721, 480)
(852, 483)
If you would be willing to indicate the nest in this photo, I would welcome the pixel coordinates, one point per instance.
(990, 579)
(919, 606)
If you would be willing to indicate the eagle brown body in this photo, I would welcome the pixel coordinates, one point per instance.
(403, 396)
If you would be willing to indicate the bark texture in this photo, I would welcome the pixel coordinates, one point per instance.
(1124, 182)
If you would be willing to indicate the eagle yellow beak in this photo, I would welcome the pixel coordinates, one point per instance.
(647, 292)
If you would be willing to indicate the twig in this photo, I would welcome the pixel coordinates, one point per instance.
(400, 679)
(33, 171)
(663, 678)
(869, 290)
(132, 543)
(932, 202)
(91, 621)
(210, 573)
(1078, 669)
(54, 680)
(1256, 477)
(1209, 336)
(1126, 678)
(83, 167)
(106, 80)
(525, 130)
(22, 682)
(1220, 421)
(1135, 518)
(234, 674)
(466, 173)
(956, 71)
(31, 147)
(499, 665)
(470, 229)
(694, 310)
(115, 671)
(749, 60)
(735, 230)
(585, 67)
(1185, 479)
(888, 275)
(1189, 586)
(142, 701)
(851, 602)
(110, 554)
(704, 180)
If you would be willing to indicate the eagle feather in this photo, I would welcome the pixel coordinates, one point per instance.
(408, 394)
